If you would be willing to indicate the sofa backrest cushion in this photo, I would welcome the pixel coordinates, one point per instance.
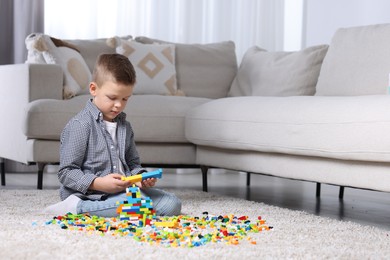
(91, 49)
(264, 73)
(357, 63)
(203, 70)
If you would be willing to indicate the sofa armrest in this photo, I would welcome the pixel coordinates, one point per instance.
(21, 84)
(31, 81)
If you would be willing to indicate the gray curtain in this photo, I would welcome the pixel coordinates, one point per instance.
(18, 18)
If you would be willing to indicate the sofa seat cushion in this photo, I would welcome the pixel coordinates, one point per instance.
(347, 128)
(157, 118)
(154, 118)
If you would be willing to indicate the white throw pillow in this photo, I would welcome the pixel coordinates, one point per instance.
(264, 73)
(154, 65)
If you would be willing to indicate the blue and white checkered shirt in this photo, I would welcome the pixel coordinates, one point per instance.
(87, 151)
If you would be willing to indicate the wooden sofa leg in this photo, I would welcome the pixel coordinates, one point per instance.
(248, 179)
(41, 167)
(204, 177)
(318, 190)
(2, 169)
(341, 192)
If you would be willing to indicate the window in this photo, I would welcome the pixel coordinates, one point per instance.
(246, 22)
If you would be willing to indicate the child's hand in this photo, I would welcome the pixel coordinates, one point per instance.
(147, 183)
(110, 183)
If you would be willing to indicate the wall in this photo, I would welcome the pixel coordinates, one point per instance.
(324, 17)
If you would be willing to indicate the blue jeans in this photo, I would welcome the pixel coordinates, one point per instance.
(165, 204)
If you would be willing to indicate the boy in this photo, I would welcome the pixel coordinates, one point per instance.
(98, 148)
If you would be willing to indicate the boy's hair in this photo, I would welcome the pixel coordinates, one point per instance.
(113, 67)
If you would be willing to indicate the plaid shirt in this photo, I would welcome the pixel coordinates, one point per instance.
(87, 151)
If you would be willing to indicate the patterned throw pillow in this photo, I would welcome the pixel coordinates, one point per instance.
(76, 72)
(154, 65)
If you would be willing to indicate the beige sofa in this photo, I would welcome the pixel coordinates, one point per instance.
(34, 112)
(319, 114)
(338, 136)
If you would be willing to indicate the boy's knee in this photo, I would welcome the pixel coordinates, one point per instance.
(176, 210)
(171, 207)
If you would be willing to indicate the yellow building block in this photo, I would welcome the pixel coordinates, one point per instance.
(170, 224)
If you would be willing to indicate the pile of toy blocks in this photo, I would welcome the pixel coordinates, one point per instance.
(136, 210)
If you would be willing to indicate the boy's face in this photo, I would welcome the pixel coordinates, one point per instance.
(111, 98)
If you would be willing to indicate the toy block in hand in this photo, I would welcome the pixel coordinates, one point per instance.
(146, 175)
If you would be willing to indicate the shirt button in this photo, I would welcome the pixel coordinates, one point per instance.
(112, 147)
(114, 167)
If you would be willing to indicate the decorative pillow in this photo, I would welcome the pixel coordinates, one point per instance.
(76, 72)
(263, 73)
(154, 65)
(357, 63)
(203, 70)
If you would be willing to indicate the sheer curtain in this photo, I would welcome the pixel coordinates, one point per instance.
(246, 22)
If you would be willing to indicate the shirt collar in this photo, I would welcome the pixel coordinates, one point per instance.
(97, 115)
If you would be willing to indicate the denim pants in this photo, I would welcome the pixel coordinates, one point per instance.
(165, 204)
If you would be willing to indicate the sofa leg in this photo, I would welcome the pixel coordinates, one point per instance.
(204, 177)
(41, 167)
(318, 190)
(341, 192)
(2, 169)
(248, 179)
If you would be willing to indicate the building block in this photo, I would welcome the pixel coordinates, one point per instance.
(146, 175)
(169, 224)
(135, 209)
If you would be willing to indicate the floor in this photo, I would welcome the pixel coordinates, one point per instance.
(361, 206)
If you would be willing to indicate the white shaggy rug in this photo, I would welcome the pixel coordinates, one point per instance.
(295, 234)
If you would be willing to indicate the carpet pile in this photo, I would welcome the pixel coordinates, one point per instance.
(295, 234)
